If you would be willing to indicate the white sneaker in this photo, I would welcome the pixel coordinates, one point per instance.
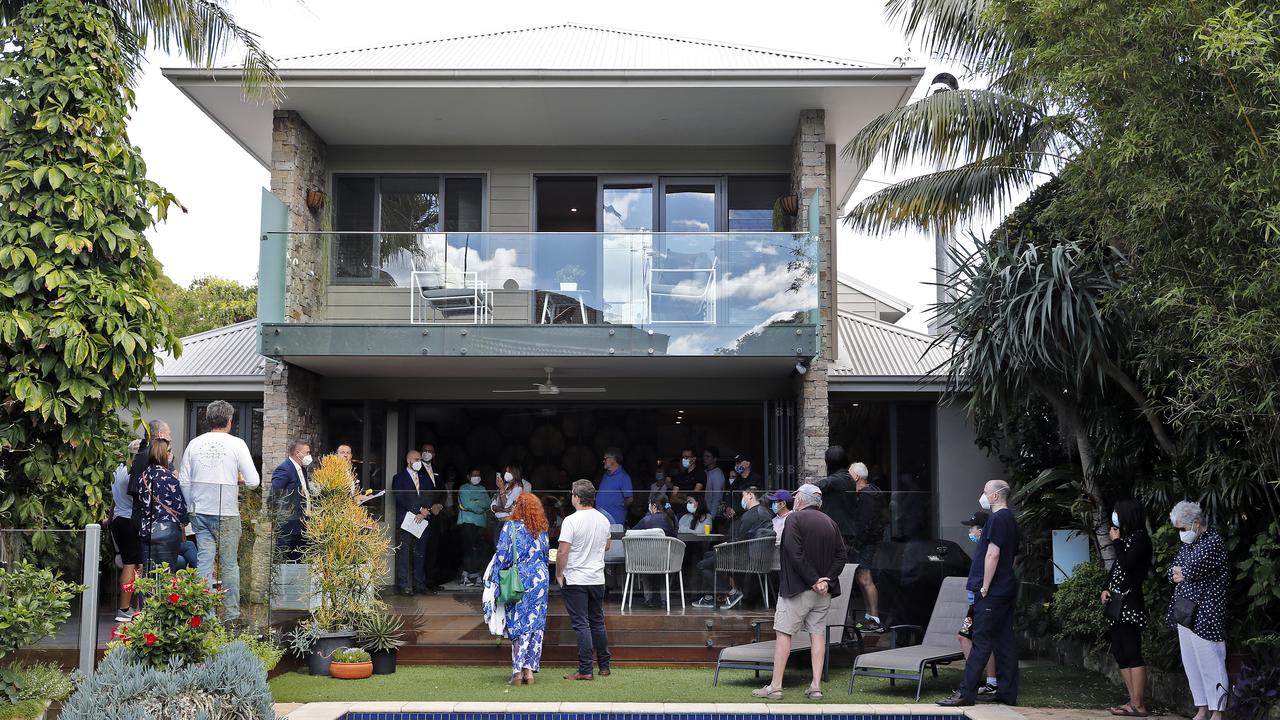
(124, 616)
(706, 601)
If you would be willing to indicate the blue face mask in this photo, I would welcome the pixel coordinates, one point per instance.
(739, 469)
(744, 503)
(775, 507)
(691, 507)
(972, 537)
(659, 477)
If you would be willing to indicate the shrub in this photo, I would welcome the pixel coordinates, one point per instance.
(264, 645)
(175, 620)
(380, 633)
(21, 710)
(44, 681)
(350, 655)
(1076, 606)
(35, 603)
(231, 685)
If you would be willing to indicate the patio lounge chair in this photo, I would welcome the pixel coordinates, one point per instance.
(939, 645)
(759, 655)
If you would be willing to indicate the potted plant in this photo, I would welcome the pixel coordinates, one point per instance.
(381, 635)
(568, 276)
(36, 602)
(351, 664)
(347, 552)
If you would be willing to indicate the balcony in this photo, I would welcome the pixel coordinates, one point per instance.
(526, 294)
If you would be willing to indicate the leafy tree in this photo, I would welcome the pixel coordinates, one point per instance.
(208, 303)
(78, 310)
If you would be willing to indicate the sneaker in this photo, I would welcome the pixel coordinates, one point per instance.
(124, 616)
(987, 691)
(734, 598)
(870, 626)
(706, 601)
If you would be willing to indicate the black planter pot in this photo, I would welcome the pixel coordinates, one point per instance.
(384, 662)
(322, 654)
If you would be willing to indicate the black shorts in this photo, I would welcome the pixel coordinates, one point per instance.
(125, 535)
(1126, 645)
(966, 626)
(865, 556)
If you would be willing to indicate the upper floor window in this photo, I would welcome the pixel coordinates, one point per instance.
(382, 216)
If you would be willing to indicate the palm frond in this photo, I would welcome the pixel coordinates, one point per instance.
(945, 128)
(953, 30)
(939, 200)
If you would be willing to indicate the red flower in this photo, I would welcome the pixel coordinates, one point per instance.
(173, 598)
(127, 587)
(195, 621)
(151, 639)
(173, 582)
(115, 632)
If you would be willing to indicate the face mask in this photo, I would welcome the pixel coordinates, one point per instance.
(686, 463)
(426, 457)
(475, 479)
(984, 502)
(417, 465)
(973, 537)
(306, 460)
(659, 477)
(692, 508)
(1188, 536)
(1115, 520)
(744, 503)
(739, 469)
(775, 507)
(508, 477)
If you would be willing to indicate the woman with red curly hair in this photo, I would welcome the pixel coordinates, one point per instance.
(522, 542)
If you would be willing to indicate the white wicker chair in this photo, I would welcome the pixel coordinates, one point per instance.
(652, 555)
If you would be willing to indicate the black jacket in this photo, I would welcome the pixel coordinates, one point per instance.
(837, 500)
(752, 522)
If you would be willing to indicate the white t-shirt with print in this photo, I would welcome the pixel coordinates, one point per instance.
(587, 532)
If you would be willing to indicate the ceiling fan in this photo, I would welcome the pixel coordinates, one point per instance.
(550, 388)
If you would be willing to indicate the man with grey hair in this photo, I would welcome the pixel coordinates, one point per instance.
(811, 558)
(993, 591)
(584, 537)
(868, 531)
(214, 465)
(138, 465)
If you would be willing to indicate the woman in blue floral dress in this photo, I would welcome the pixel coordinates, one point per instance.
(523, 542)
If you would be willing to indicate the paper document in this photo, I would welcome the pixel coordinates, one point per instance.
(413, 525)
(362, 499)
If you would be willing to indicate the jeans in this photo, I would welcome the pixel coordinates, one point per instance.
(186, 555)
(993, 634)
(219, 536)
(162, 546)
(585, 605)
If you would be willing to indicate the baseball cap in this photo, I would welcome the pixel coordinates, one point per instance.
(135, 446)
(977, 519)
(810, 490)
(782, 495)
(741, 458)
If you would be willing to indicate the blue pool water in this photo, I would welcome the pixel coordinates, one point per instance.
(360, 715)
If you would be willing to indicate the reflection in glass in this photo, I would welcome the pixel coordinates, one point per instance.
(689, 208)
(625, 208)
(353, 210)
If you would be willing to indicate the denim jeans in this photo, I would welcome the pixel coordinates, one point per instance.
(219, 536)
(585, 605)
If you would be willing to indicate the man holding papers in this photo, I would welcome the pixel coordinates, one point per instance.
(413, 508)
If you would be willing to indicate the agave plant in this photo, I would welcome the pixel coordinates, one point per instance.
(380, 632)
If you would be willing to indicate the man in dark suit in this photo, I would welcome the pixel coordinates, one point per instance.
(290, 493)
(413, 497)
(433, 489)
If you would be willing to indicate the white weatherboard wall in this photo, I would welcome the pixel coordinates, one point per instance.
(963, 468)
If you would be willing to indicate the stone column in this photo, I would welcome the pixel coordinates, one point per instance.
(809, 172)
(298, 166)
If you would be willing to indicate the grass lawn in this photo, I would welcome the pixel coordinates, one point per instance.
(1042, 686)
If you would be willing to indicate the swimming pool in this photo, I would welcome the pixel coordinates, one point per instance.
(379, 711)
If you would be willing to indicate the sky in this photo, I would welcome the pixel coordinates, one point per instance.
(219, 183)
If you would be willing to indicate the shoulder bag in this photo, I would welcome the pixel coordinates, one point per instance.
(1115, 606)
(510, 586)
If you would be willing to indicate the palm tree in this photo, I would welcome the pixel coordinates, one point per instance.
(200, 30)
(986, 144)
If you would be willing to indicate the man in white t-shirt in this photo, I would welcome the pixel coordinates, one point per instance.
(214, 465)
(584, 536)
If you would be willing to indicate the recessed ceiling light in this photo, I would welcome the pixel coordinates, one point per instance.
(573, 209)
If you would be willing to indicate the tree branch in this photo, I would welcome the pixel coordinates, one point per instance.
(1122, 379)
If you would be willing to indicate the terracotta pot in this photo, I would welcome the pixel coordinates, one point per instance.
(351, 671)
(790, 205)
(315, 199)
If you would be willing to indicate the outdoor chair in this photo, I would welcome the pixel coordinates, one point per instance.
(449, 294)
(683, 280)
(758, 655)
(654, 554)
(757, 556)
(938, 646)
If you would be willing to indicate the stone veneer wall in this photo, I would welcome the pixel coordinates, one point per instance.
(298, 165)
(809, 172)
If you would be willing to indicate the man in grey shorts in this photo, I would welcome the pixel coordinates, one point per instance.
(812, 556)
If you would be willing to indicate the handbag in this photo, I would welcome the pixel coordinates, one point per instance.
(1184, 612)
(510, 586)
(1115, 606)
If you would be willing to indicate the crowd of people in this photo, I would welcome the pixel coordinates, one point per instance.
(190, 517)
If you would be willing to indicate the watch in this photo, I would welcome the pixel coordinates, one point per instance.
(983, 592)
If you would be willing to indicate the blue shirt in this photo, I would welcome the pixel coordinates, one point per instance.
(1002, 531)
(615, 488)
(120, 494)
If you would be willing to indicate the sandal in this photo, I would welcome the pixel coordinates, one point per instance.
(516, 679)
(767, 692)
(1128, 710)
(813, 694)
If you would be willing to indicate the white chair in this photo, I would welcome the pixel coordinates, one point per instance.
(687, 278)
(450, 294)
(651, 552)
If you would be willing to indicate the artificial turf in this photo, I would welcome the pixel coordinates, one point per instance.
(1050, 686)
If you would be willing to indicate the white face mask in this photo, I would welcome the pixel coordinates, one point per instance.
(984, 502)
(508, 477)
(475, 479)
(686, 463)
(1188, 536)
(1115, 520)
(426, 456)
(306, 460)
(416, 465)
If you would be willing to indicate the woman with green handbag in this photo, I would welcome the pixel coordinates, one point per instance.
(519, 572)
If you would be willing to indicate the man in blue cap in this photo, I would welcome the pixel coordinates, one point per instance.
(780, 502)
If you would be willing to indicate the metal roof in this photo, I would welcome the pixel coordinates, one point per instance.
(874, 292)
(214, 355)
(569, 46)
(874, 349)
